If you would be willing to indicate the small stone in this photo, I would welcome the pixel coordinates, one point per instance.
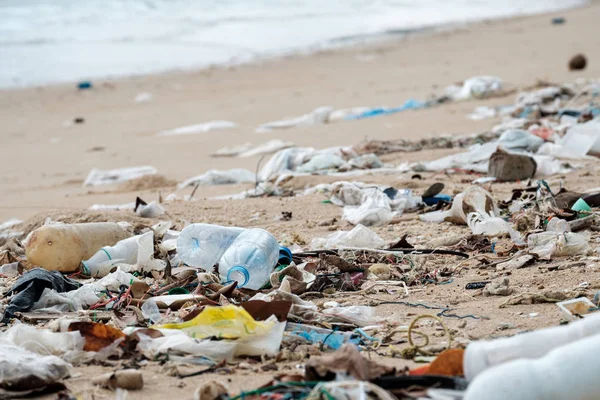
(577, 62)
(244, 365)
(382, 271)
(505, 326)
(269, 367)
(498, 288)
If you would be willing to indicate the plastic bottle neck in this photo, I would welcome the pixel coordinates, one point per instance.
(238, 274)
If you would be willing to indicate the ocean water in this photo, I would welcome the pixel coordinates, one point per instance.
(52, 41)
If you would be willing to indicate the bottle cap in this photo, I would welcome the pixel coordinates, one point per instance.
(237, 272)
(285, 256)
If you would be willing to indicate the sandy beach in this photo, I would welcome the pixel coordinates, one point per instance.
(46, 157)
(46, 162)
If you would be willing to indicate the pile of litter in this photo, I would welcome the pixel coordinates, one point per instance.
(144, 287)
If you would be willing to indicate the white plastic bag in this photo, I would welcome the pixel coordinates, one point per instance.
(519, 140)
(374, 210)
(263, 345)
(481, 224)
(53, 302)
(547, 245)
(476, 87)
(216, 177)
(582, 139)
(67, 345)
(322, 162)
(18, 366)
(359, 236)
(357, 315)
(178, 342)
(474, 199)
(98, 177)
(285, 161)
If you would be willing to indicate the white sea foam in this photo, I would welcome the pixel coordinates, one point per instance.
(47, 41)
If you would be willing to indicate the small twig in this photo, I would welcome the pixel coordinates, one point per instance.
(194, 191)
(256, 183)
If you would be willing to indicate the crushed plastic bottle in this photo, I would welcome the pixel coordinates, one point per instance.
(202, 245)
(546, 245)
(250, 259)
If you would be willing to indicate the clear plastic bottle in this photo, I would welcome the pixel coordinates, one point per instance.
(250, 259)
(203, 245)
(126, 251)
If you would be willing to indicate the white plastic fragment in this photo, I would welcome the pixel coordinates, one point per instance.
(150, 210)
(45, 342)
(98, 177)
(217, 177)
(482, 112)
(359, 236)
(547, 245)
(109, 207)
(322, 162)
(198, 128)
(18, 365)
(266, 148)
(319, 115)
(564, 372)
(143, 97)
(476, 87)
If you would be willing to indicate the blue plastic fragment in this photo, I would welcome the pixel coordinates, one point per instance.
(430, 201)
(410, 104)
(84, 85)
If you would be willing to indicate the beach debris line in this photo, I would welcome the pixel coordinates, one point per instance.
(477, 87)
(205, 298)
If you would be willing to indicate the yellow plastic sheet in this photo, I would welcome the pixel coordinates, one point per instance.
(228, 322)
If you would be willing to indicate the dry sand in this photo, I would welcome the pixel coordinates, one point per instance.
(45, 163)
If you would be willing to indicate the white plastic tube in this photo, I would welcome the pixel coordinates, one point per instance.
(567, 372)
(488, 353)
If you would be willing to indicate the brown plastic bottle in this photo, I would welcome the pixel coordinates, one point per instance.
(62, 247)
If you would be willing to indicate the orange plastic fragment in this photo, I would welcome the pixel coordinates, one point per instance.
(97, 336)
(424, 370)
(449, 362)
